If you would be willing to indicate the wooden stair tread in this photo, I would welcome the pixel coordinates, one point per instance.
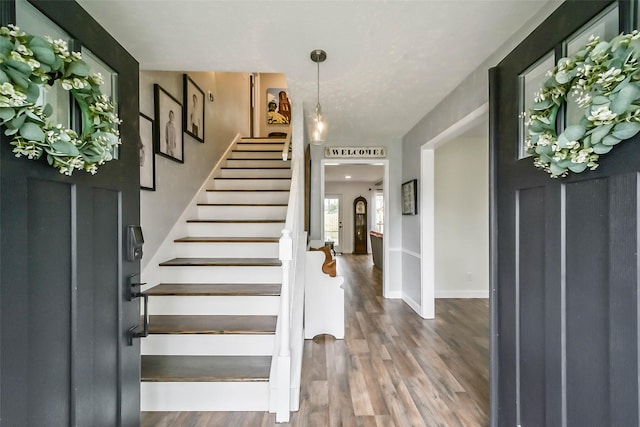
(255, 151)
(262, 159)
(241, 221)
(215, 289)
(205, 368)
(260, 177)
(192, 239)
(211, 324)
(242, 204)
(249, 191)
(255, 168)
(222, 262)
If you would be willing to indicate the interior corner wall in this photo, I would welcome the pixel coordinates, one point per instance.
(177, 183)
(462, 218)
(471, 94)
(349, 191)
(269, 81)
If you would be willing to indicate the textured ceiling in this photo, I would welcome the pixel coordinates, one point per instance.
(389, 61)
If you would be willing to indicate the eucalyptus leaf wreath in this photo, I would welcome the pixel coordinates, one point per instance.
(604, 79)
(31, 64)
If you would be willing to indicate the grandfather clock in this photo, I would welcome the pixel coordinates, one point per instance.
(360, 225)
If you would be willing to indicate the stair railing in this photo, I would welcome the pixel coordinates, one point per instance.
(287, 144)
(289, 333)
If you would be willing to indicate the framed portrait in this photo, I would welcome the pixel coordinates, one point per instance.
(193, 109)
(410, 197)
(168, 130)
(145, 153)
(278, 107)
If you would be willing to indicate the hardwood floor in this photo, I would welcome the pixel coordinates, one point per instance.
(392, 369)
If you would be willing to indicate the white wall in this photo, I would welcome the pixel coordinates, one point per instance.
(349, 191)
(177, 183)
(269, 81)
(462, 218)
(470, 95)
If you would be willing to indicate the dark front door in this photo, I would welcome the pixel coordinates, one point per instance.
(565, 259)
(64, 357)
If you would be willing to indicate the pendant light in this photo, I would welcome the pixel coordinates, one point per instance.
(318, 124)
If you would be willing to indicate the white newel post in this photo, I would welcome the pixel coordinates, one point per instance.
(284, 354)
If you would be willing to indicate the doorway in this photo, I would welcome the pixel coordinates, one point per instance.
(367, 187)
(333, 221)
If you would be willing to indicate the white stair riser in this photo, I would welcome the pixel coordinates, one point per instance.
(251, 184)
(256, 155)
(260, 146)
(204, 396)
(208, 345)
(226, 250)
(254, 173)
(225, 274)
(247, 163)
(214, 305)
(248, 197)
(241, 212)
(235, 229)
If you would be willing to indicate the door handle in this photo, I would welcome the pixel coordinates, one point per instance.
(134, 292)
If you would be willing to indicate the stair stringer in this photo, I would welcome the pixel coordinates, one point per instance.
(151, 274)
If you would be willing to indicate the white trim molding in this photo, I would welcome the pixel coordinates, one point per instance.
(462, 294)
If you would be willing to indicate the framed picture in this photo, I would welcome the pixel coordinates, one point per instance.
(278, 107)
(410, 197)
(145, 152)
(168, 129)
(193, 109)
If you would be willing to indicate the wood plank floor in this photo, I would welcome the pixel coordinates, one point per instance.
(392, 369)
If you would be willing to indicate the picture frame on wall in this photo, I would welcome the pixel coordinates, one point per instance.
(410, 197)
(146, 155)
(193, 109)
(168, 125)
(278, 106)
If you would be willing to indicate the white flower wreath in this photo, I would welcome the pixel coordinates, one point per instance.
(604, 78)
(27, 64)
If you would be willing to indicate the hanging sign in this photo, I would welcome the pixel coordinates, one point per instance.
(367, 152)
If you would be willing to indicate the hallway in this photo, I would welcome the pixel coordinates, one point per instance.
(392, 369)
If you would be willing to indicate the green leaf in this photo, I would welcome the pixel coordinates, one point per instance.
(11, 131)
(600, 48)
(563, 77)
(574, 133)
(32, 132)
(33, 92)
(556, 170)
(37, 41)
(3, 77)
(562, 141)
(602, 149)
(58, 64)
(65, 148)
(625, 98)
(5, 44)
(23, 67)
(77, 68)
(600, 100)
(7, 113)
(44, 54)
(18, 78)
(537, 126)
(542, 105)
(17, 121)
(610, 140)
(626, 130)
(48, 110)
(578, 167)
(600, 132)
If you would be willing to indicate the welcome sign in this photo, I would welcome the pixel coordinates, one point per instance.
(367, 152)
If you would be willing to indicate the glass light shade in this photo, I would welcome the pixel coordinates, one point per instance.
(318, 127)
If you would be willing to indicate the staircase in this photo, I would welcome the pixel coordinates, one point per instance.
(212, 320)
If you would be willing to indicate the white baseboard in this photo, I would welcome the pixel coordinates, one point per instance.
(415, 306)
(462, 294)
(394, 295)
